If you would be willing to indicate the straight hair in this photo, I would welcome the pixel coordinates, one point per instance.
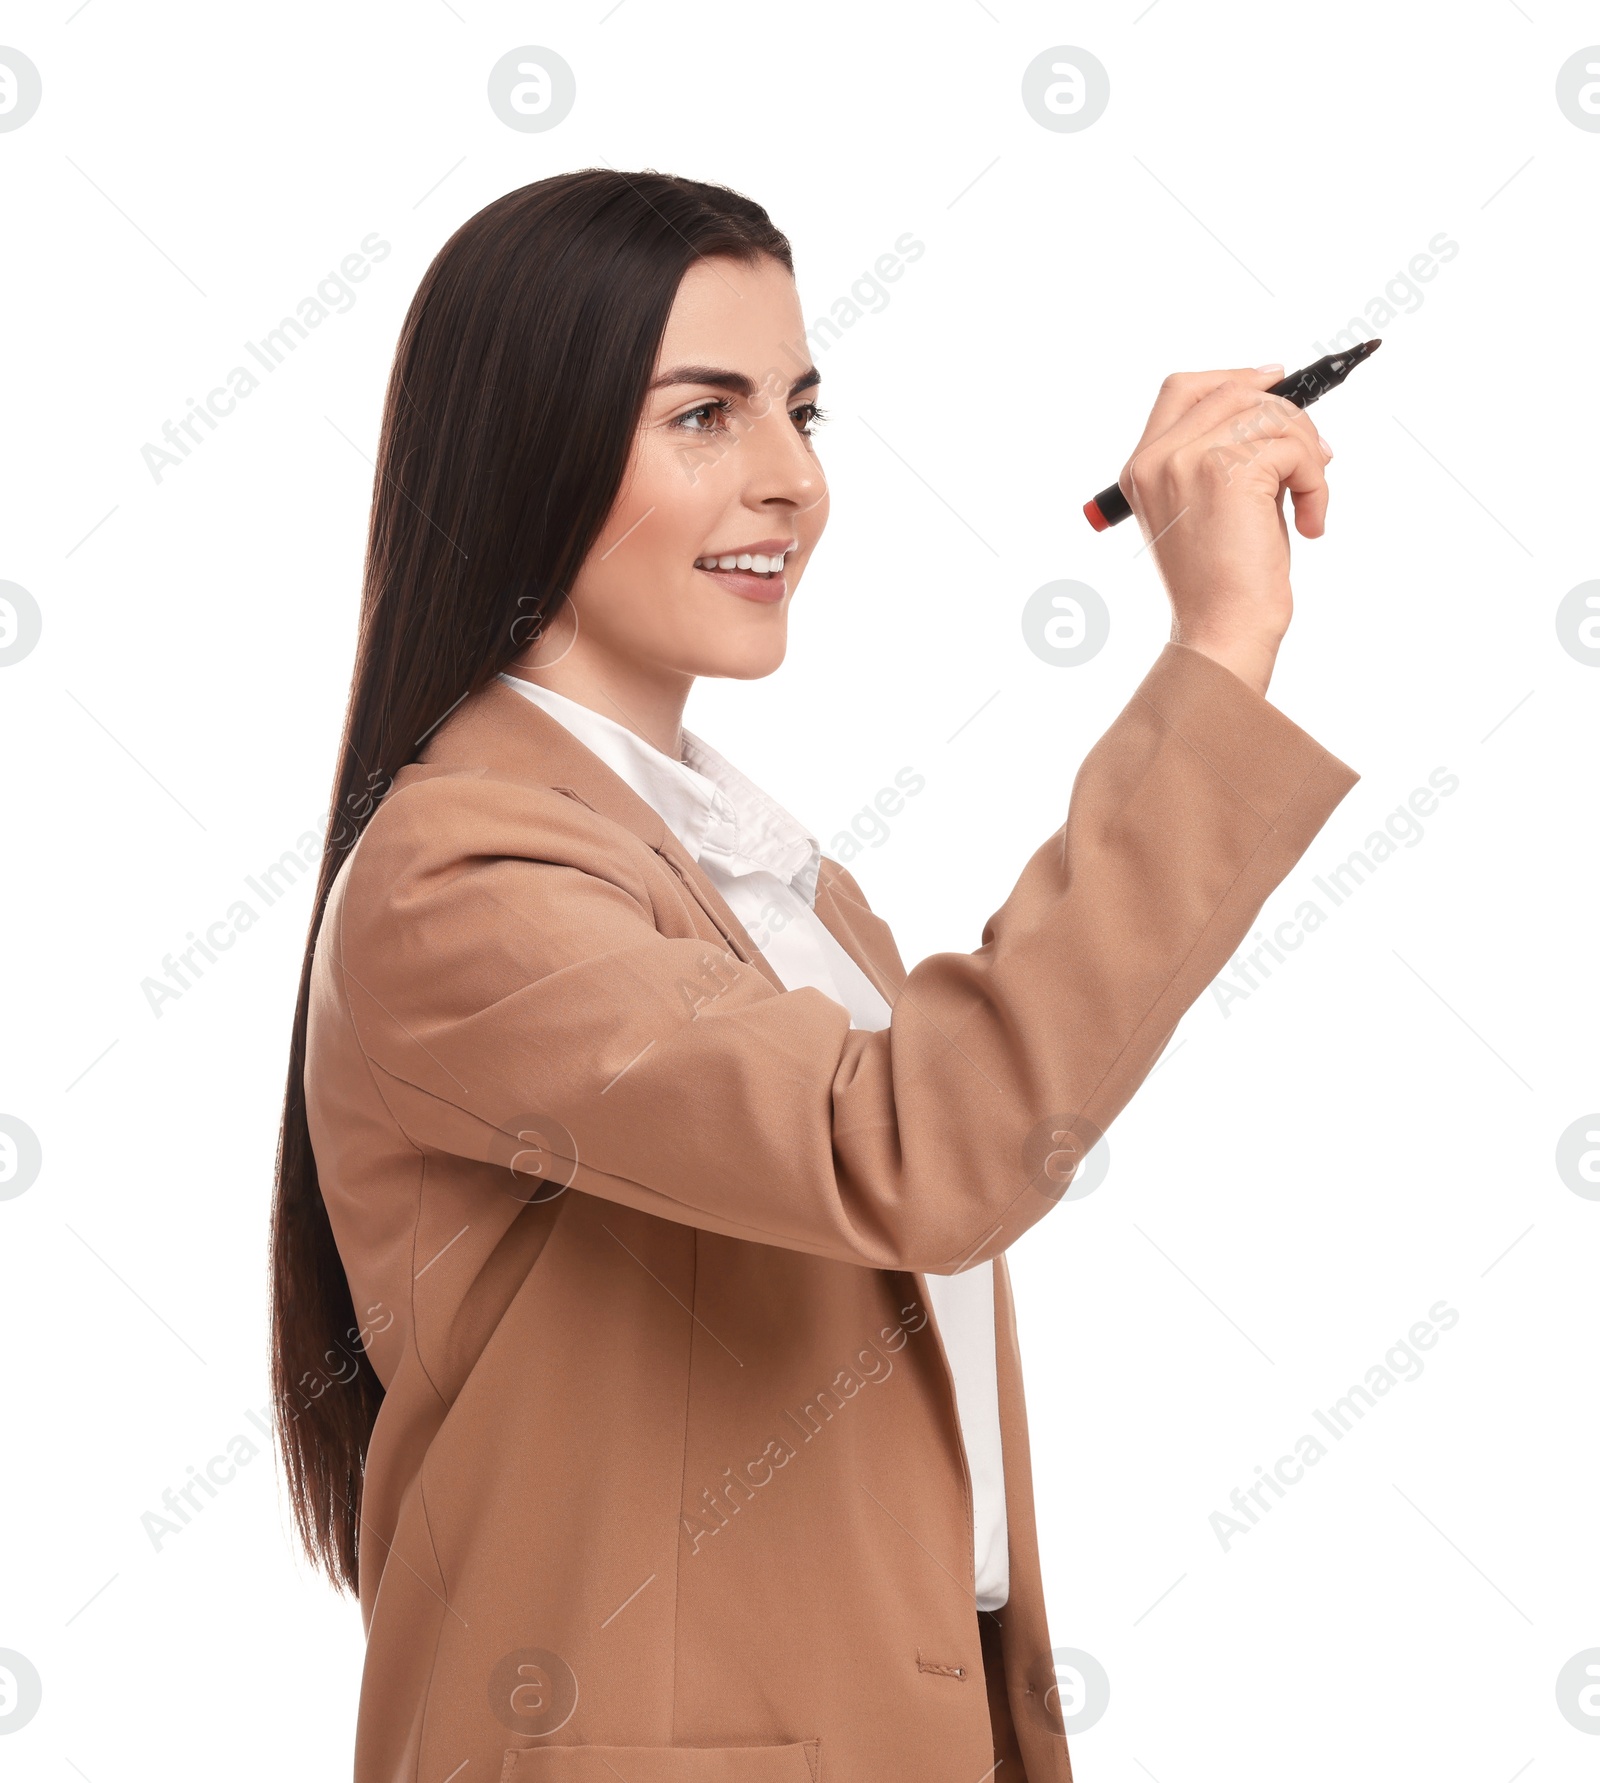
(514, 400)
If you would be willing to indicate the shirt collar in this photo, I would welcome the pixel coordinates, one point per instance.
(715, 811)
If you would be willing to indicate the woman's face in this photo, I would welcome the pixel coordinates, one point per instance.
(723, 465)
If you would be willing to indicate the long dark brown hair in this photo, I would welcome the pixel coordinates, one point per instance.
(517, 388)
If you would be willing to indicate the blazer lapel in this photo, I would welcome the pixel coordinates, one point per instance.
(714, 904)
(495, 730)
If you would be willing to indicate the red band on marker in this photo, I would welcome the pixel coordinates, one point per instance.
(1093, 515)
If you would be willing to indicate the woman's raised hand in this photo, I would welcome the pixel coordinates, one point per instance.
(1206, 484)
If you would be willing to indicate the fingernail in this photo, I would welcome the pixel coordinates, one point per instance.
(1327, 450)
(1275, 366)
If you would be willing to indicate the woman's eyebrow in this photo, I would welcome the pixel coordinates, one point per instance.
(735, 381)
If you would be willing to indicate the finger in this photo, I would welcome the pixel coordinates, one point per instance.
(1232, 444)
(1220, 436)
(1244, 411)
(1238, 399)
(1283, 462)
(1181, 390)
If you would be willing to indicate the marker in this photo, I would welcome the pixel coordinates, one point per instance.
(1302, 388)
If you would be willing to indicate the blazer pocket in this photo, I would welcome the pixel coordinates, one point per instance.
(797, 1763)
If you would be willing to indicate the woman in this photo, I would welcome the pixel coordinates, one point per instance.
(644, 1350)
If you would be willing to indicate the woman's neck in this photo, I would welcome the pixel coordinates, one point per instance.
(637, 696)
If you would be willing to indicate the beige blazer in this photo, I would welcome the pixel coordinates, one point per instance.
(667, 1485)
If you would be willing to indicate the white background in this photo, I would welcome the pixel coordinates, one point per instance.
(1301, 1179)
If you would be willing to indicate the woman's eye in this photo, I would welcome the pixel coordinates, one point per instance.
(717, 404)
(807, 417)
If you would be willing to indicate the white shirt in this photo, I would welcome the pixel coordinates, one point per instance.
(765, 865)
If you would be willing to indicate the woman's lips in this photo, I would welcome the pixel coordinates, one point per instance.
(750, 585)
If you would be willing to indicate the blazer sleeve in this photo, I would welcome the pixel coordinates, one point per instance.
(505, 975)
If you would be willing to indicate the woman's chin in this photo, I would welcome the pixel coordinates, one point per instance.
(745, 654)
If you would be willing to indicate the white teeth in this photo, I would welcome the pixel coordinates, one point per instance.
(744, 560)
